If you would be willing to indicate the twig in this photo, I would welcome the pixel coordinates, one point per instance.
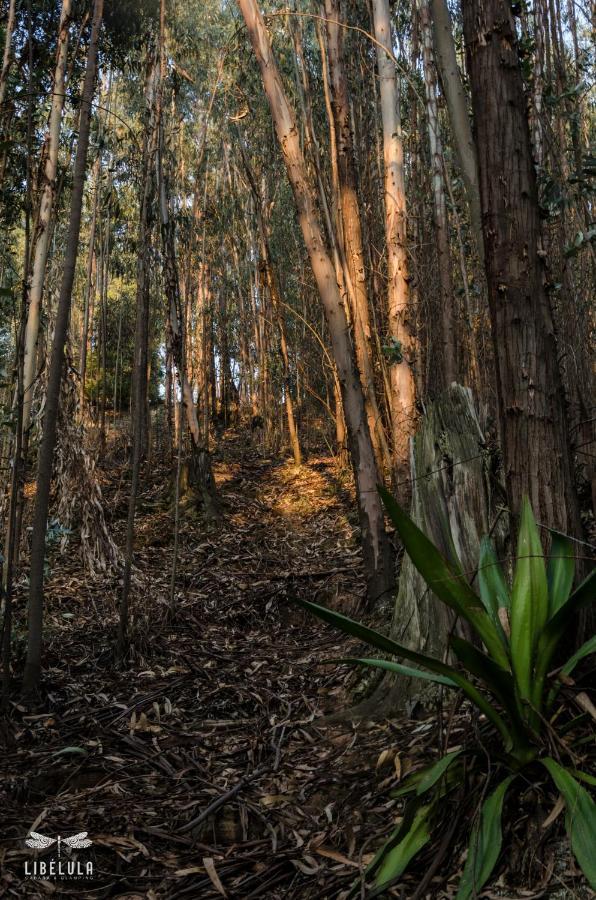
(220, 801)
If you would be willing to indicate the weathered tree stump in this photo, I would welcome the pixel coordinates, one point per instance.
(456, 500)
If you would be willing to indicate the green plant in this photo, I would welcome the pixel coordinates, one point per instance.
(508, 682)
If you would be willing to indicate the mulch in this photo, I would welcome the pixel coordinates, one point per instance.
(210, 763)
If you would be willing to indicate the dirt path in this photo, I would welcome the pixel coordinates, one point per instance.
(201, 770)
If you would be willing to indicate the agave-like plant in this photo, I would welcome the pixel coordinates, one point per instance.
(509, 681)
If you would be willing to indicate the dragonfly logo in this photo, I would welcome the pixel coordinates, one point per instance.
(60, 868)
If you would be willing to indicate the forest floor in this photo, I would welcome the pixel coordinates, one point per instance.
(207, 766)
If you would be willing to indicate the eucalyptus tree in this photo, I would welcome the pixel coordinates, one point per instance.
(377, 558)
(46, 210)
(400, 314)
(457, 104)
(152, 114)
(350, 230)
(271, 281)
(7, 55)
(46, 451)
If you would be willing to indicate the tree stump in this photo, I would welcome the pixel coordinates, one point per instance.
(457, 498)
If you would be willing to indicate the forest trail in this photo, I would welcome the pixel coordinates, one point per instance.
(219, 706)
(241, 234)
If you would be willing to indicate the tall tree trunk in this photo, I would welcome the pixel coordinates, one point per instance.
(203, 352)
(246, 391)
(45, 213)
(104, 266)
(351, 230)
(340, 426)
(46, 451)
(402, 385)
(200, 473)
(536, 123)
(530, 394)
(455, 505)
(271, 281)
(89, 290)
(12, 536)
(228, 393)
(376, 551)
(139, 377)
(6, 57)
(448, 331)
(457, 104)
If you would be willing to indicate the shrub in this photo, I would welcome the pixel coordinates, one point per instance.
(508, 682)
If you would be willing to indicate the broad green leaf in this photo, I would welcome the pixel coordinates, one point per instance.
(582, 596)
(375, 639)
(442, 577)
(412, 782)
(494, 592)
(397, 858)
(399, 832)
(585, 650)
(68, 750)
(502, 687)
(584, 776)
(498, 682)
(529, 601)
(409, 785)
(431, 775)
(398, 668)
(557, 628)
(580, 818)
(485, 844)
(560, 572)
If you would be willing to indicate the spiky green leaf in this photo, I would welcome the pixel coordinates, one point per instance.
(585, 650)
(494, 592)
(529, 601)
(557, 627)
(398, 669)
(375, 639)
(396, 859)
(499, 682)
(485, 844)
(584, 776)
(444, 579)
(580, 818)
(560, 572)
(431, 775)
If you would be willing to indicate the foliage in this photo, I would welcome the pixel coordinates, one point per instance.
(521, 629)
(393, 351)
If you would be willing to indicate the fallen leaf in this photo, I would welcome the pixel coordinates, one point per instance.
(210, 869)
(555, 811)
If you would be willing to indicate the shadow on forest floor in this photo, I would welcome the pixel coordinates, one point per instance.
(204, 767)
